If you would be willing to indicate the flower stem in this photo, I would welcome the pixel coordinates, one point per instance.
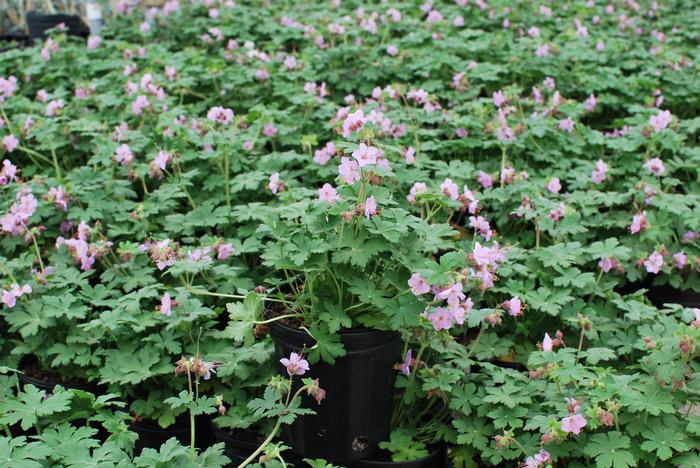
(476, 341)
(580, 344)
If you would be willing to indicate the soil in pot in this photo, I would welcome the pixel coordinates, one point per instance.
(151, 435)
(39, 23)
(356, 412)
(240, 444)
(436, 459)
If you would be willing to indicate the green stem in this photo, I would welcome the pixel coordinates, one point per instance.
(55, 165)
(281, 317)
(580, 344)
(476, 341)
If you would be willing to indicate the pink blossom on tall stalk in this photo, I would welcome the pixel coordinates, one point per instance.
(416, 189)
(441, 319)
(406, 365)
(481, 225)
(453, 294)
(295, 364)
(680, 260)
(554, 185)
(410, 155)
(654, 262)
(538, 460)
(418, 284)
(485, 179)
(366, 155)
(8, 172)
(323, 155)
(139, 104)
(599, 172)
(8, 86)
(655, 166)
(123, 155)
(53, 107)
(224, 251)
(270, 130)
(275, 184)
(449, 189)
(10, 142)
(590, 103)
(328, 193)
(557, 213)
(370, 207)
(349, 170)
(498, 98)
(9, 298)
(353, 122)
(567, 124)
(166, 304)
(660, 121)
(513, 306)
(59, 196)
(639, 222)
(220, 114)
(573, 423)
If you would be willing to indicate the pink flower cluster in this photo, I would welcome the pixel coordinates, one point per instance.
(600, 172)
(9, 297)
(82, 249)
(8, 86)
(15, 221)
(323, 155)
(222, 115)
(575, 421)
(8, 172)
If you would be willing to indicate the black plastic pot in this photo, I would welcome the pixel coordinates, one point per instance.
(356, 412)
(39, 23)
(436, 459)
(151, 435)
(660, 295)
(239, 447)
(50, 381)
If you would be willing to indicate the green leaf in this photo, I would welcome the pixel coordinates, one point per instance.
(663, 441)
(609, 450)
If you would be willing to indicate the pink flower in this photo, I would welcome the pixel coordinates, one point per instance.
(485, 179)
(481, 225)
(165, 305)
(459, 314)
(549, 83)
(410, 155)
(655, 166)
(573, 424)
(392, 50)
(547, 343)
(441, 319)
(170, 72)
(590, 103)
(418, 284)
(416, 189)
(461, 132)
(370, 207)
(680, 259)
(9, 298)
(290, 62)
(269, 130)
(406, 365)
(434, 16)
(8, 173)
(453, 294)
(639, 222)
(600, 46)
(458, 21)
(654, 262)
(8, 86)
(539, 460)
(450, 189)
(275, 184)
(10, 142)
(296, 364)
(123, 155)
(599, 173)
(513, 306)
(224, 251)
(221, 115)
(328, 193)
(139, 104)
(606, 264)
(660, 121)
(566, 124)
(366, 155)
(557, 213)
(59, 195)
(554, 185)
(353, 123)
(349, 170)
(498, 98)
(53, 107)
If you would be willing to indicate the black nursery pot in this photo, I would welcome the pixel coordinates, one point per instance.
(39, 23)
(660, 295)
(436, 459)
(356, 412)
(151, 435)
(240, 445)
(48, 381)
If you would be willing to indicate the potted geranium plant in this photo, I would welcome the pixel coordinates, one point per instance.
(342, 255)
